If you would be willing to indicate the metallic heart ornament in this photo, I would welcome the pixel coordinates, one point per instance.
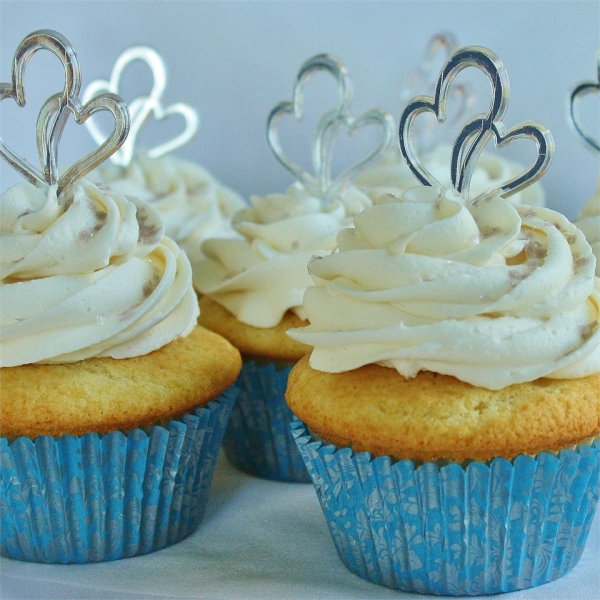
(583, 89)
(43, 39)
(143, 107)
(321, 184)
(475, 134)
(55, 112)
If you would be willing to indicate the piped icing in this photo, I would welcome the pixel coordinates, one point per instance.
(87, 274)
(392, 176)
(491, 293)
(263, 274)
(589, 223)
(192, 203)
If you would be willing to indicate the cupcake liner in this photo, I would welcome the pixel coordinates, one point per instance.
(453, 530)
(258, 439)
(89, 498)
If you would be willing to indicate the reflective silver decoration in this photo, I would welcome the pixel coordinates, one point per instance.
(55, 112)
(425, 134)
(475, 134)
(583, 89)
(143, 107)
(320, 184)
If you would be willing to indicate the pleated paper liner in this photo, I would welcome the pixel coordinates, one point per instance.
(258, 439)
(453, 530)
(89, 498)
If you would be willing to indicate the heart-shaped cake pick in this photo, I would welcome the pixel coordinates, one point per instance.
(320, 184)
(423, 80)
(55, 111)
(43, 39)
(583, 89)
(142, 107)
(475, 134)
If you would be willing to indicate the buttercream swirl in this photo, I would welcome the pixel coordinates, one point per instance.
(493, 294)
(192, 203)
(88, 274)
(393, 176)
(263, 274)
(589, 223)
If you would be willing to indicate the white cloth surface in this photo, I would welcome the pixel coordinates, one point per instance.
(258, 539)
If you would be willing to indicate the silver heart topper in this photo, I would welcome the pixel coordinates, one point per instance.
(424, 79)
(55, 111)
(142, 107)
(583, 89)
(477, 131)
(321, 184)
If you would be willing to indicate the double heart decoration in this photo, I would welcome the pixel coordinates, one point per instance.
(583, 89)
(477, 131)
(142, 107)
(54, 113)
(320, 184)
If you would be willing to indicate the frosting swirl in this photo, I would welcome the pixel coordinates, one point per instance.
(192, 203)
(392, 175)
(492, 294)
(262, 275)
(87, 274)
(589, 223)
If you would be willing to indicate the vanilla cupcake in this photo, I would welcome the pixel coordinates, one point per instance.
(589, 223)
(450, 416)
(192, 203)
(251, 292)
(113, 400)
(453, 384)
(392, 175)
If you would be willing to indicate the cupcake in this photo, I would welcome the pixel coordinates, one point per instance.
(251, 292)
(192, 203)
(449, 413)
(114, 401)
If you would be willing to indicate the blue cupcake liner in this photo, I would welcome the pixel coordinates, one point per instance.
(90, 498)
(258, 439)
(480, 529)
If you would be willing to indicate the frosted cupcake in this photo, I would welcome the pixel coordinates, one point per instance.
(449, 411)
(251, 288)
(193, 204)
(114, 401)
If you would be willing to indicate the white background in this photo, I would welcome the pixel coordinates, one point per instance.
(235, 60)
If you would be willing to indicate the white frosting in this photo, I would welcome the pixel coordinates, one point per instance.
(392, 176)
(193, 204)
(86, 275)
(589, 223)
(492, 294)
(261, 276)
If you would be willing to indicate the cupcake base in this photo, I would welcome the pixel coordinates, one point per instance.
(258, 439)
(453, 530)
(90, 498)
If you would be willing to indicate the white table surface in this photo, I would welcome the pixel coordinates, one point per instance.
(259, 539)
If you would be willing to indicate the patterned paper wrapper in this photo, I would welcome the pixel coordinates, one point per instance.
(90, 498)
(480, 529)
(258, 439)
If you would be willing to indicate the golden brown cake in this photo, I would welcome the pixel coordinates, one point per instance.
(272, 343)
(433, 416)
(104, 394)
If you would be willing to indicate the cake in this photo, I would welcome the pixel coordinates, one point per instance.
(449, 412)
(114, 401)
(251, 288)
